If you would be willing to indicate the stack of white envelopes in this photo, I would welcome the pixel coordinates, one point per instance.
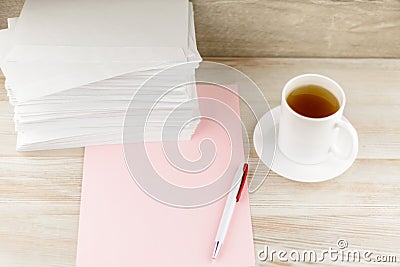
(72, 69)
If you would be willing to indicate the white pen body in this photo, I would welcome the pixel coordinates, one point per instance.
(228, 210)
(226, 219)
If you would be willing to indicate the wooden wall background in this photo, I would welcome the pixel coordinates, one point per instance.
(288, 28)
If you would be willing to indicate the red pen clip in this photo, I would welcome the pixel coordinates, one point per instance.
(242, 182)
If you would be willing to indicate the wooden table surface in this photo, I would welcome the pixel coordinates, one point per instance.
(40, 191)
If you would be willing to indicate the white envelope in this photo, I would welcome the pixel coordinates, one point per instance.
(74, 62)
(140, 23)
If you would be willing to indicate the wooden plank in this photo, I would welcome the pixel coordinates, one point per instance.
(341, 196)
(371, 85)
(305, 232)
(9, 9)
(257, 28)
(38, 234)
(39, 210)
(323, 28)
(40, 179)
(49, 179)
(3, 92)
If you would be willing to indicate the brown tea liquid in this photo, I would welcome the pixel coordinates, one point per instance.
(313, 101)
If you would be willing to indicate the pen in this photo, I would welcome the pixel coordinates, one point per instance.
(233, 197)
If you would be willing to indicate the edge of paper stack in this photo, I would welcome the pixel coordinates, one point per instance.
(71, 82)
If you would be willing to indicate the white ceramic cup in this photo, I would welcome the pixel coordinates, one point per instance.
(311, 140)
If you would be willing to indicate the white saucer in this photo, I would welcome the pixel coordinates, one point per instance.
(279, 163)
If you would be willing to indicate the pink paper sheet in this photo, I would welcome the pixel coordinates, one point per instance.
(121, 226)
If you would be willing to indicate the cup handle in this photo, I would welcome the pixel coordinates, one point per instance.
(348, 128)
